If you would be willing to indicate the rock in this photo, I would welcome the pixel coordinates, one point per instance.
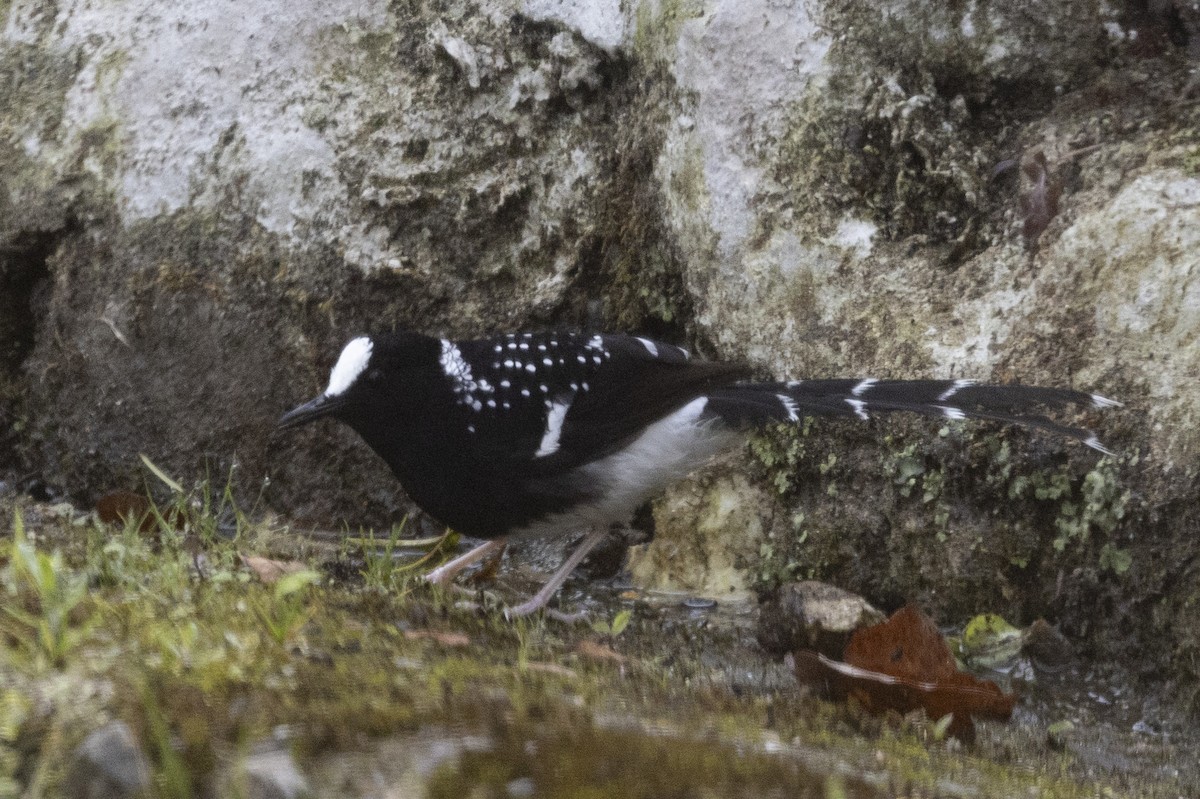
(1048, 648)
(704, 536)
(600, 22)
(109, 764)
(813, 615)
(273, 775)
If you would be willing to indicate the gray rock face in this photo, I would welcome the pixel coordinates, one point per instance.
(200, 203)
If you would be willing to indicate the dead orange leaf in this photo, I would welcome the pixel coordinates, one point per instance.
(594, 650)
(904, 664)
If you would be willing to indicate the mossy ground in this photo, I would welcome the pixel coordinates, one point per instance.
(169, 631)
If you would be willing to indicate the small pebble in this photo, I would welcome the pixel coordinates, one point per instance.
(521, 788)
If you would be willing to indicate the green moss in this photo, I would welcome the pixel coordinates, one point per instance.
(964, 521)
(656, 27)
(641, 274)
(915, 115)
(1191, 161)
(780, 451)
(191, 660)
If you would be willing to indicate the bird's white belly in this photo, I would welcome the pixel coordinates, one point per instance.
(665, 452)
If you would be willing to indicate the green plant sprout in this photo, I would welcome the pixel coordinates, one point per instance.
(43, 600)
(287, 612)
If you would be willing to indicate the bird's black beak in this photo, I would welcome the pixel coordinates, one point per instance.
(309, 411)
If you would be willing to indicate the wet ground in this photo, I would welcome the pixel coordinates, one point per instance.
(376, 685)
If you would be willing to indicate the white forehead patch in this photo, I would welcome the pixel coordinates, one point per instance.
(350, 364)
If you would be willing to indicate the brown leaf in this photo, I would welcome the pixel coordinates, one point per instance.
(551, 668)
(120, 507)
(269, 571)
(594, 650)
(907, 644)
(443, 637)
(904, 664)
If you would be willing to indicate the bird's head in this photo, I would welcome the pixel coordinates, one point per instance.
(373, 375)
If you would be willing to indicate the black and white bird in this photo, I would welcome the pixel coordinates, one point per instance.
(541, 434)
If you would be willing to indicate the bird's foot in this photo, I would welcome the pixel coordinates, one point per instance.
(527, 608)
(443, 575)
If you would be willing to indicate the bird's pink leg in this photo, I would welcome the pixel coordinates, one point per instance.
(543, 596)
(445, 573)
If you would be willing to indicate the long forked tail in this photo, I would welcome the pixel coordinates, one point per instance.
(750, 403)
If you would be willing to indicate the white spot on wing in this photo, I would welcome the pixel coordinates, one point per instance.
(859, 407)
(950, 412)
(1095, 444)
(789, 405)
(350, 364)
(649, 345)
(954, 389)
(457, 369)
(1104, 402)
(864, 386)
(554, 423)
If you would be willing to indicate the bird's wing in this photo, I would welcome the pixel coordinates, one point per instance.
(540, 403)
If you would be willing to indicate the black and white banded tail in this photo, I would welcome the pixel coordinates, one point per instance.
(748, 403)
